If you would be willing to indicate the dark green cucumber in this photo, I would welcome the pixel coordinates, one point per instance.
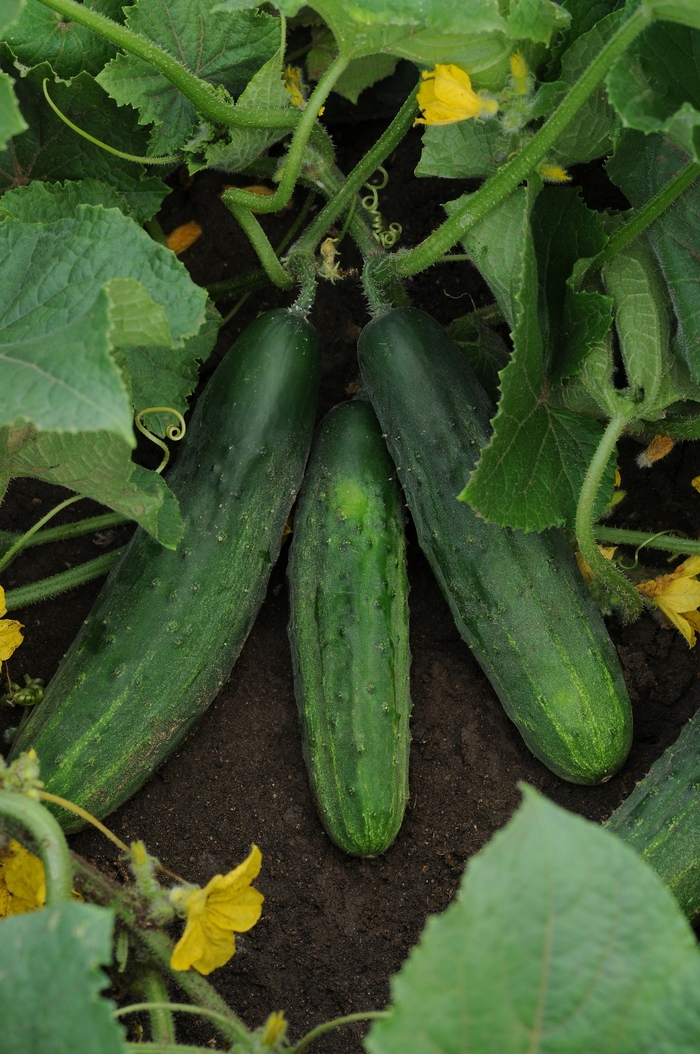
(168, 626)
(518, 599)
(661, 818)
(348, 631)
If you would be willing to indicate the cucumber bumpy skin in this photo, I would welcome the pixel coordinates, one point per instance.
(518, 599)
(168, 626)
(348, 632)
(661, 818)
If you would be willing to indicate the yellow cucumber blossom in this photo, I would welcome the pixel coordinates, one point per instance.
(293, 84)
(678, 596)
(274, 1029)
(553, 173)
(10, 636)
(518, 69)
(226, 905)
(22, 881)
(446, 96)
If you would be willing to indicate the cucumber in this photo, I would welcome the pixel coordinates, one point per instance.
(168, 626)
(348, 632)
(518, 599)
(661, 818)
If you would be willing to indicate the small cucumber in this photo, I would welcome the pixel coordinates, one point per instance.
(518, 599)
(661, 818)
(348, 631)
(167, 626)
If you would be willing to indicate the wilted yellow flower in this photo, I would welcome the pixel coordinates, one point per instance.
(446, 96)
(518, 69)
(659, 447)
(294, 85)
(678, 595)
(10, 636)
(553, 173)
(22, 881)
(227, 904)
(183, 237)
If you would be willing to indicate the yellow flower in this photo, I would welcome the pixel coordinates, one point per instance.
(227, 904)
(22, 882)
(659, 447)
(293, 84)
(678, 595)
(183, 237)
(10, 636)
(518, 69)
(553, 173)
(447, 96)
(274, 1029)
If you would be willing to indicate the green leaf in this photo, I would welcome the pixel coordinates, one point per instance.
(61, 377)
(135, 318)
(45, 202)
(584, 15)
(49, 151)
(685, 11)
(641, 167)
(562, 940)
(266, 91)
(530, 474)
(468, 17)
(97, 465)
(655, 85)
(537, 20)
(590, 133)
(466, 150)
(11, 120)
(484, 350)
(10, 10)
(50, 982)
(43, 35)
(360, 74)
(225, 49)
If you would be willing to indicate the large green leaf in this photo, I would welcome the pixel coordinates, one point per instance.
(530, 474)
(224, 49)
(584, 15)
(655, 85)
(562, 941)
(641, 167)
(50, 982)
(42, 35)
(687, 12)
(10, 10)
(49, 151)
(466, 150)
(97, 465)
(537, 20)
(40, 202)
(11, 120)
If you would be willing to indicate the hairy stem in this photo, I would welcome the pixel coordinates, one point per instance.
(504, 182)
(261, 243)
(90, 525)
(348, 1019)
(50, 587)
(644, 217)
(668, 543)
(48, 837)
(201, 94)
(607, 574)
(22, 541)
(162, 1024)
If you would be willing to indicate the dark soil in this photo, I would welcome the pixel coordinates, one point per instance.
(334, 929)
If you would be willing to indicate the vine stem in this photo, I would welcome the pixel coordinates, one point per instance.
(201, 94)
(78, 810)
(345, 193)
(644, 217)
(504, 182)
(49, 839)
(668, 543)
(165, 1048)
(368, 1015)
(21, 542)
(182, 1008)
(162, 1025)
(50, 587)
(613, 579)
(69, 530)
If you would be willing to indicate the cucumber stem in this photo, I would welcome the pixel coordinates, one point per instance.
(607, 574)
(78, 810)
(669, 544)
(22, 540)
(89, 525)
(50, 587)
(181, 1008)
(504, 182)
(643, 217)
(48, 837)
(162, 1024)
(201, 94)
(368, 1015)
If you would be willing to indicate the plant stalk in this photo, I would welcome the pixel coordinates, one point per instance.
(644, 217)
(50, 587)
(504, 182)
(369, 1015)
(668, 543)
(49, 839)
(162, 1024)
(611, 578)
(22, 540)
(67, 530)
(201, 94)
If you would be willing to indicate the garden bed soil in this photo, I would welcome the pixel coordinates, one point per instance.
(334, 928)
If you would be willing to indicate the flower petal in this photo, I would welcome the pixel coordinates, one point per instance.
(689, 567)
(239, 913)
(3, 607)
(10, 637)
(678, 621)
(190, 947)
(682, 595)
